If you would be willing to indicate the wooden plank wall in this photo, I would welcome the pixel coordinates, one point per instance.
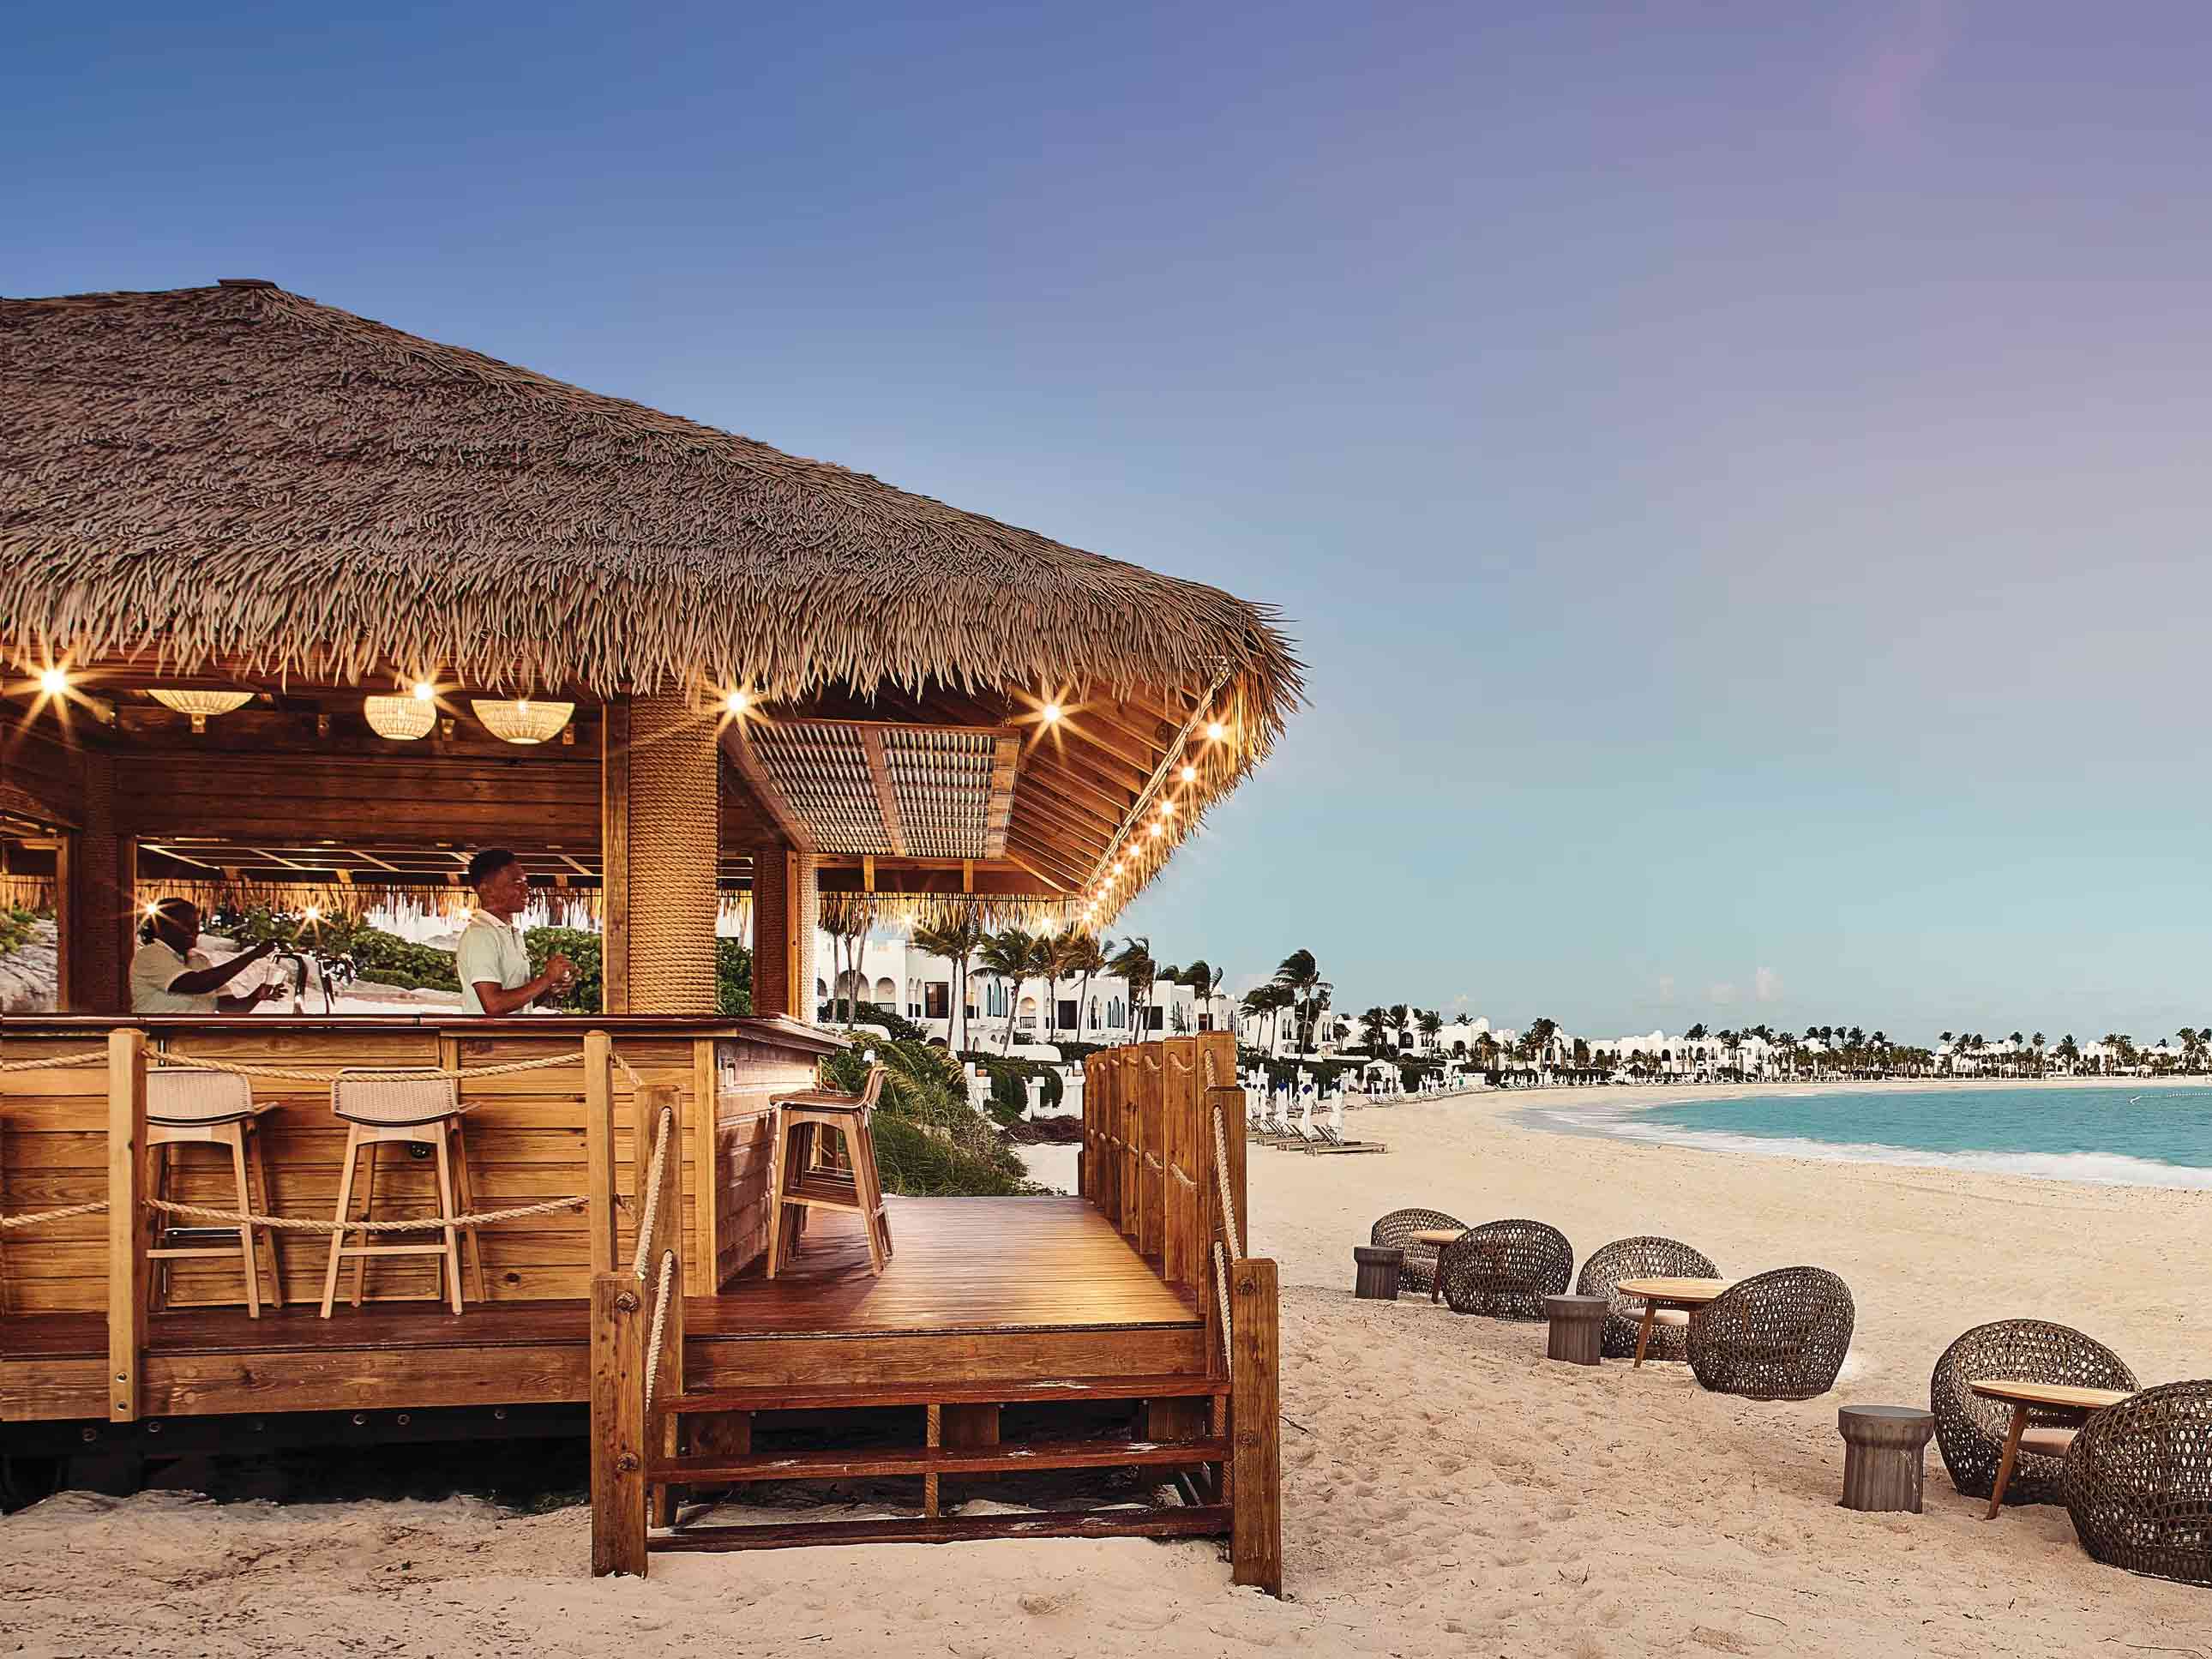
(1149, 1152)
(526, 1142)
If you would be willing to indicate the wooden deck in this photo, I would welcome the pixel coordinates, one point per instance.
(1020, 1288)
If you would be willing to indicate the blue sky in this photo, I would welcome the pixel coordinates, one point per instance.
(1736, 472)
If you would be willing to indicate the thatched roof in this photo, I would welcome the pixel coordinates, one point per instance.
(238, 475)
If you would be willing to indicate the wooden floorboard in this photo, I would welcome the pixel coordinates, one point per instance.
(969, 1281)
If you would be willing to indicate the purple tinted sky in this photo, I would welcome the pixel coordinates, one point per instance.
(1736, 472)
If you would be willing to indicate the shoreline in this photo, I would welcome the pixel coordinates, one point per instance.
(1606, 1113)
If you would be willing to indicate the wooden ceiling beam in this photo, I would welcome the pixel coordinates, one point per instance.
(872, 738)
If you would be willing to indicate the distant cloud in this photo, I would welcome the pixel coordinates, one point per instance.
(1722, 994)
(1880, 94)
(1666, 988)
(1765, 986)
(1461, 1002)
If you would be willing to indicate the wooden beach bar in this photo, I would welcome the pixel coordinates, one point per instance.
(298, 611)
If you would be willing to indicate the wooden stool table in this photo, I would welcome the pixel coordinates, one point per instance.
(1668, 1294)
(1436, 1238)
(1379, 1268)
(798, 1182)
(2058, 1400)
(1576, 1329)
(1884, 1453)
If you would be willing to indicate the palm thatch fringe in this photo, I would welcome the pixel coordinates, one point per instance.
(28, 892)
(238, 479)
(842, 912)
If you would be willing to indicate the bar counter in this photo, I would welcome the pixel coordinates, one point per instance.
(524, 1134)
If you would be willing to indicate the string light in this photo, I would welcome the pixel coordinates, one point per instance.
(313, 913)
(53, 682)
(737, 702)
(1215, 730)
(1167, 809)
(1049, 713)
(1189, 774)
(425, 692)
(1159, 828)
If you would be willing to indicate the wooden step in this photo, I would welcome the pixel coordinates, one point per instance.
(925, 1392)
(1187, 1520)
(851, 1465)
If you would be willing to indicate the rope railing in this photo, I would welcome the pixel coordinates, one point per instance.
(659, 1324)
(647, 1222)
(98, 1057)
(63, 1214)
(408, 1224)
(295, 1074)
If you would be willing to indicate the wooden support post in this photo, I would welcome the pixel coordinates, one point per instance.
(968, 1425)
(126, 1231)
(620, 1320)
(1254, 1381)
(602, 1220)
(614, 855)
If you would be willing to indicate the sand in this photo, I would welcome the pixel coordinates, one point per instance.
(1446, 1490)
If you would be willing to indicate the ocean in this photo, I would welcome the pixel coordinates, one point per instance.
(2149, 1136)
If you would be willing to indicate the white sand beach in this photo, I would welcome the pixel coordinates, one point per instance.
(1446, 1490)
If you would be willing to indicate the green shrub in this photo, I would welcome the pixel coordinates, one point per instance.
(733, 978)
(883, 1019)
(583, 951)
(929, 1142)
(14, 928)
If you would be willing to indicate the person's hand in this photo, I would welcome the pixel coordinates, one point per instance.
(269, 992)
(559, 971)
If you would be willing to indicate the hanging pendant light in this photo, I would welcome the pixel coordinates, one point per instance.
(523, 721)
(403, 718)
(200, 704)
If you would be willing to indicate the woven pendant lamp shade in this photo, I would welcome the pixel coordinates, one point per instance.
(675, 847)
(402, 719)
(524, 721)
(200, 704)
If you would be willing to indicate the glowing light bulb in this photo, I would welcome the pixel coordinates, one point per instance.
(1159, 828)
(424, 691)
(1167, 809)
(1049, 713)
(313, 913)
(1189, 774)
(737, 702)
(53, 682)
(153, 909)
(1215, 730)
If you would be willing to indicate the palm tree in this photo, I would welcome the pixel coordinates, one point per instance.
(1133, 962)
(1079, 955)
(1300, 976)
(1430, 1023)
(955, 941)
(1539, 1038)
(1401, 1018)
(1011, 957)
(848, 938)
(1372, 1024)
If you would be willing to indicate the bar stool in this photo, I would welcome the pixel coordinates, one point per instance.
(211, 1109)
(797, 1184)
(418, 1109)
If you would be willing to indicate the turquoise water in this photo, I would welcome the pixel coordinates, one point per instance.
(2148, 1136)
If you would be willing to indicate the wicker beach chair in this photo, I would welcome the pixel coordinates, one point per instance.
(2138, 1483)
(1778, 1335)
(1970, 1430)
(1398, 1228)
(1647, 1255)
(1504, 1269)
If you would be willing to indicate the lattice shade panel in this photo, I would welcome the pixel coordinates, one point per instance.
(942, 781)
(891, 790)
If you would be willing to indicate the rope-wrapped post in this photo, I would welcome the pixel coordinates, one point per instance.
(126, 1221)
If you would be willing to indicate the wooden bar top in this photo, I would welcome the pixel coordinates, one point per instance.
(568, 1027)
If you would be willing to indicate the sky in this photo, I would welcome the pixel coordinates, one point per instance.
(1735, 473)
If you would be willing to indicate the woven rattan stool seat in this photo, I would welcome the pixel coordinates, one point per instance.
(178, 1097)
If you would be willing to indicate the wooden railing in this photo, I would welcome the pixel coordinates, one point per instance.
(637, 1312)
(1163, 1158)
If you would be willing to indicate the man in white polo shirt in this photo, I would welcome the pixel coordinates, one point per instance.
(492, 959)
(170, 974)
